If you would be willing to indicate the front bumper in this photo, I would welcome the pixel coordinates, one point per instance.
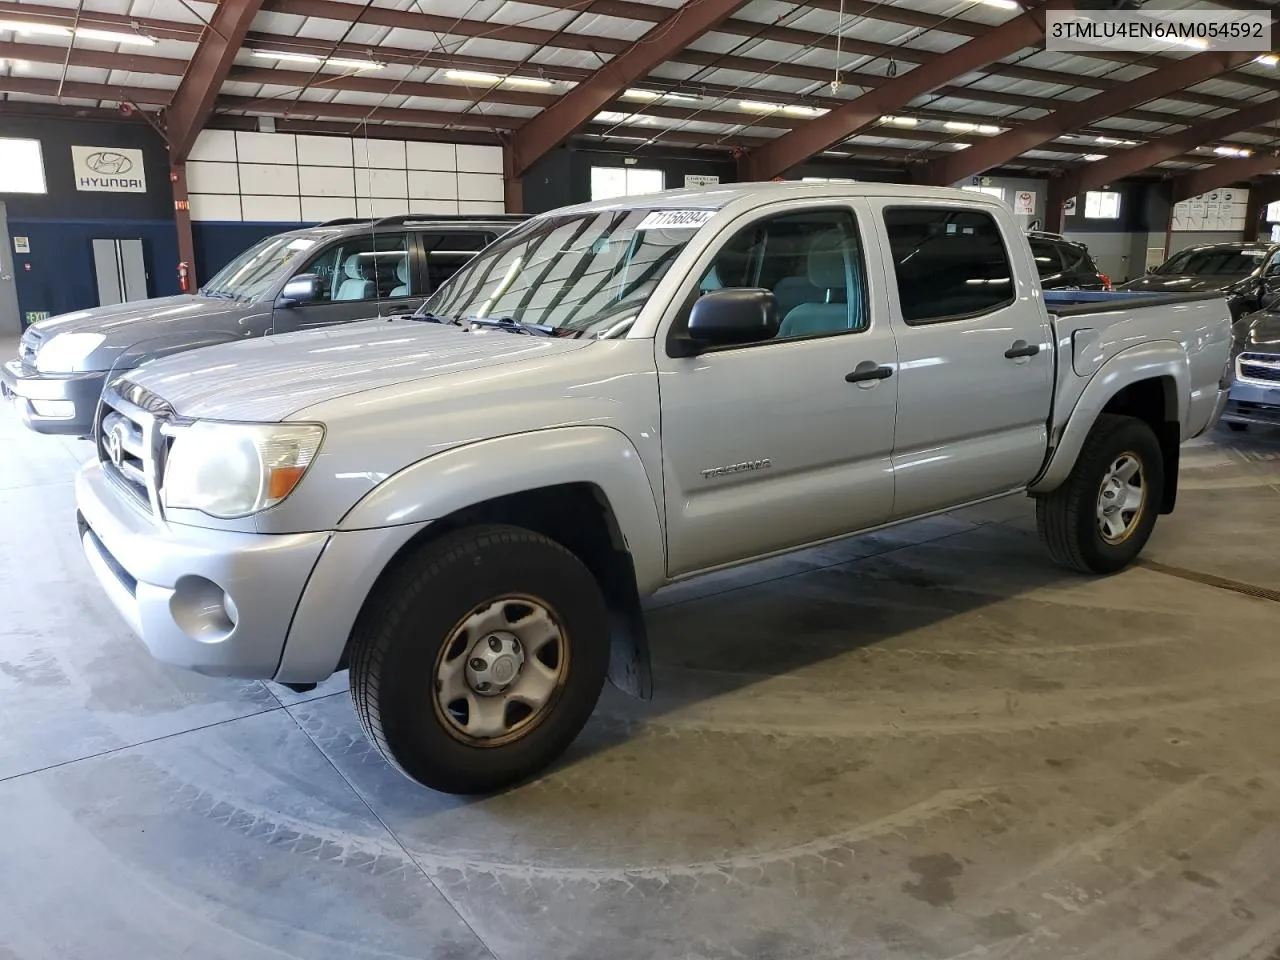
(213, 601)
(54, 403)
(1253, 402)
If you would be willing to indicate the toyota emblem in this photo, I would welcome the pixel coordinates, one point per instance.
(108, 163)
(115, 445)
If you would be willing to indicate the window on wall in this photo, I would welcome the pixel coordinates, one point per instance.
(21, 167)
(610, 182)
(1273, 212)
(1101, 205)
(997, 192)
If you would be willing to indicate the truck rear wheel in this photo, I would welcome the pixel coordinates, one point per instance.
(1099, 520)
(479, 658)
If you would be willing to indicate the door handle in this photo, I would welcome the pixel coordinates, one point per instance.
(1021, 349)
(868, 370)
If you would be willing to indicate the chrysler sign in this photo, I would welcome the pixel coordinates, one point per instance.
(109, 169)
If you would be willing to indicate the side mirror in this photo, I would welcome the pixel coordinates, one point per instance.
(304, 288)
(732, 316)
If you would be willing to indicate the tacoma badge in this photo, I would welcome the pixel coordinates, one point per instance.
(736, 468)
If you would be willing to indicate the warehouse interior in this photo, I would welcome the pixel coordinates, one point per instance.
(925, 742)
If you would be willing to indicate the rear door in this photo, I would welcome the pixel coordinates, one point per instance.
(362, 275)
(975, 354)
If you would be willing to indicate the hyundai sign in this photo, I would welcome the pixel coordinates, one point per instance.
(108, 169)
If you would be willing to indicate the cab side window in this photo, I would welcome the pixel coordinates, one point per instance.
(811, 261)
(445, 254)
(364, 267)
(950, 263)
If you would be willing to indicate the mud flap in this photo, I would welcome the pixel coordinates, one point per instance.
(629, 668)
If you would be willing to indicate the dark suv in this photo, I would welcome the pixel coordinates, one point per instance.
(335, 272)
(1064, 264)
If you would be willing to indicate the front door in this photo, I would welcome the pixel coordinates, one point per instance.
(770, 445)
(975, 356)
(363, 275)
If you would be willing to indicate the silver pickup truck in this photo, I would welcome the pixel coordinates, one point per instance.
(466, 507)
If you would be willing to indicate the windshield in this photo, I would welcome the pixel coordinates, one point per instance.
(252, 274)
(1215, 261)
(586, 273)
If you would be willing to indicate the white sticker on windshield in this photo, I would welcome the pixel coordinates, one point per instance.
(675, 219)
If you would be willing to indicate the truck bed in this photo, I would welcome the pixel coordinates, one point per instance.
(1074, 303)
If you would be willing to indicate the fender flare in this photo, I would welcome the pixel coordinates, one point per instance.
(465, 476)
(1147, 361)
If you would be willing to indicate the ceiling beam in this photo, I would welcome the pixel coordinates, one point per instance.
(66, 17)
(1223, 174)
(73, 90)
(779, 156)
(985, 154)
(1122, 163)
(550, 128)
(192, 104)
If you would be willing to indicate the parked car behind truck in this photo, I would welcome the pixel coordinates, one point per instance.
(466, 506)
(336, 272)
(1255, 392)
(1247, 274)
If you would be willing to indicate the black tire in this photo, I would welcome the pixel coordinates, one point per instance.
(407, 619)
(1067, 518)
(1237, 427)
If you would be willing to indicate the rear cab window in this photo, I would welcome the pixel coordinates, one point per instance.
(445, 252)
(950, 263)
(1046, 256)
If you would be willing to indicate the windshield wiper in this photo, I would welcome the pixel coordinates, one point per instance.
(512, 324)
(434, 318)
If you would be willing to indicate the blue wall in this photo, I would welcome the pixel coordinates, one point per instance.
(219, 242)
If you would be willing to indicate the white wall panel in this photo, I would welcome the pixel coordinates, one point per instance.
(479, 186)
(381, 207)
(319, 209)
(263, 209)
(432, 156)
(433, 185)
(327, 181)
(215, 145)
(433, 206)
(204, 176)
(475, 158)
(208, 206)
(381, 183)
(266, 148)
(480, 206)
(385, 154)
(324, 151)
(269, 178)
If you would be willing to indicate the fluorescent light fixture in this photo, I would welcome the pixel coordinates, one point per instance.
(533, 83)
(115, 36)
(317, 61)
(758, 106)
(1091, 157)
(1002, 4)
(24, 26)
(961, 146)
(961, 127)
(636, 94)
(1112, 142)
(472, 76)
(1232, 152)
(802, 111)
(1267, 60)
(281, 55)
(354, 64)
(900, 121)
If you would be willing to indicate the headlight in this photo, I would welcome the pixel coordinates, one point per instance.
(236, 469)
(66, 351)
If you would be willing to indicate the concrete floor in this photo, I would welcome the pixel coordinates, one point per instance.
(925, 744)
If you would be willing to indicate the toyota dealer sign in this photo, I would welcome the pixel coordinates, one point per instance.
(109, 169)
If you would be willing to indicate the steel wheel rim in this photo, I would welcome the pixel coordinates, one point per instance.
(488, 693)
(1122, 498)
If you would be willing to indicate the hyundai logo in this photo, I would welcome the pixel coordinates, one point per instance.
(108, 162)
(114, 443)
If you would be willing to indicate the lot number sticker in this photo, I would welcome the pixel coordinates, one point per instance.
(675, 219)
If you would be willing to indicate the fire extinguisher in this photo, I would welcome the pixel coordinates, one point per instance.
(183, 272)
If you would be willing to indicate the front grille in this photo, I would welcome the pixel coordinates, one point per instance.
(130, 444)
(1259, 366)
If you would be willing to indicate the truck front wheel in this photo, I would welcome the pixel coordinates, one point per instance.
(1099, 520)
(479, 658)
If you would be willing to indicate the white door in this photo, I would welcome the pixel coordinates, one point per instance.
(975, 355)
(770, 445)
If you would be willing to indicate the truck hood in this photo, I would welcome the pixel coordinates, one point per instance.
(1174, 283)
(268, 379)
(125, 320)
